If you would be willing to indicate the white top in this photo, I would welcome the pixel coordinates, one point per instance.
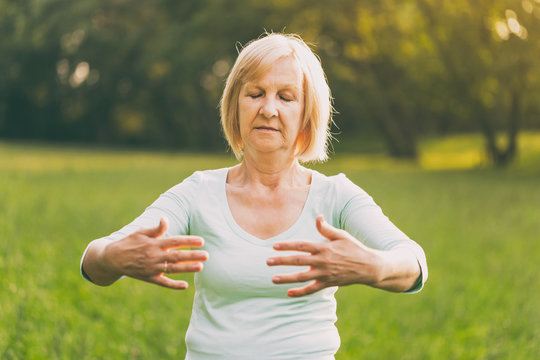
(238, 313)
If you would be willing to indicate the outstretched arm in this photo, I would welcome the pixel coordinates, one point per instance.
(344, 261)
(144, 255)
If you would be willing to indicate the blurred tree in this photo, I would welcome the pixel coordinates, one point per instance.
(112, 72)
(417, 66)
(378, 74)
(151, 73)
(488, 51)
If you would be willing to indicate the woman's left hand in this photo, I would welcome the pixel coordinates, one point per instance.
(341, 261)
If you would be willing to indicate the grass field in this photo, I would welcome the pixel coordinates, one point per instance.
(480, 229)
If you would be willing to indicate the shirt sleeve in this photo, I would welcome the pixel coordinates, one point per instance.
(364, 219)
(174, 204)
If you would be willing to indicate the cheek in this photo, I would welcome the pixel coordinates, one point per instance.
(246, 110)
(299, 117)
(242, 113)
(244, 123)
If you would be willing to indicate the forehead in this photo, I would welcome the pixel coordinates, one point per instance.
(283, 73)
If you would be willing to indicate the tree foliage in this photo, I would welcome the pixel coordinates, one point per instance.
(151, 72)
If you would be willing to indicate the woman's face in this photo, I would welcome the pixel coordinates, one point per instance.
(271, 108)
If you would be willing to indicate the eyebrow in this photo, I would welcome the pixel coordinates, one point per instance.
(284, 86)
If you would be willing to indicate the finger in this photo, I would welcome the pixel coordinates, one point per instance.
(306, 290)
(157, 231)
(175, 242)
(305, 246)
(184, 267)
(297, 260)
(327, 230)
(168, 282)
(302, 276)
(185, 255)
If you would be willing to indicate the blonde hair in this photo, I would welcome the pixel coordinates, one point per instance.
(256, 58)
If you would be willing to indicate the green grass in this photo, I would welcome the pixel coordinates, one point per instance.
(479, 227)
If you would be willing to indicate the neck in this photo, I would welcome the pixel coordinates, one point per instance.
(269, 172)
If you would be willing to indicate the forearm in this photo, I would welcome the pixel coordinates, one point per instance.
(399, 270)
(96, 266)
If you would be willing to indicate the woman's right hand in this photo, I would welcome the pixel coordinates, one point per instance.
(144, 255)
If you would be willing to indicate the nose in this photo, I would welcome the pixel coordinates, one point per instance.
(268, 108)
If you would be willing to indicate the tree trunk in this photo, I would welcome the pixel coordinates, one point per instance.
(502, 155)
(399, 136)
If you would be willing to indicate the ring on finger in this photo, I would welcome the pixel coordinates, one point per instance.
(165, 267)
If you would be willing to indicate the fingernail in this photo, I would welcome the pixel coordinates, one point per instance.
(270, 261)
(275, 278)
(277, 246)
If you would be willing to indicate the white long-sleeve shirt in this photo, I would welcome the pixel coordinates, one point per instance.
(238, 313)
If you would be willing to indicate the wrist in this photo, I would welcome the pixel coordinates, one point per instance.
(399, 270)
(381, 265)
(107, 256)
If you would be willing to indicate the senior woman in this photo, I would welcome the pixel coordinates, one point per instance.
(276, 238)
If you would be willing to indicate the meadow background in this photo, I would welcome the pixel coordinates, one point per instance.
(479, 227)
(105, 104)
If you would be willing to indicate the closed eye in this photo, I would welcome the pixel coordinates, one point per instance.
(284, 98)
(254, 96)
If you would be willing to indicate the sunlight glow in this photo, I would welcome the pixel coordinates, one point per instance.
(502, 30)
(527, 6)
(536, 9)
(221, 68)
(513, 25)
(80, 74)
(523, 34)
(467, 159)
(510, 14)
(209, 81)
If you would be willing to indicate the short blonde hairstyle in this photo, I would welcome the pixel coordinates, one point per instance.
(256, 58)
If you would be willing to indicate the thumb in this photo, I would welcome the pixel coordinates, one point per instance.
(157, 231)
(327, 230)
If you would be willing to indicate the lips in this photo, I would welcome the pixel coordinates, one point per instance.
(265, 128)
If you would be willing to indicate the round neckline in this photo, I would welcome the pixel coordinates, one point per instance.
(252, 238)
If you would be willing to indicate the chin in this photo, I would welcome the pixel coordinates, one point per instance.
(268, 148)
